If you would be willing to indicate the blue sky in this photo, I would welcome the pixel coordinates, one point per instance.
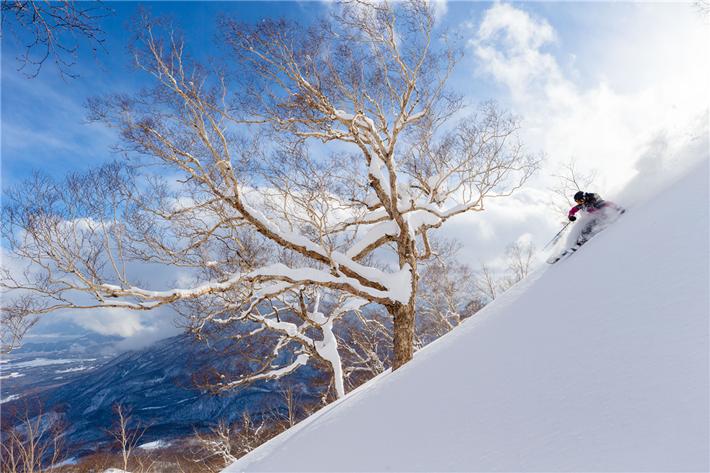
(624, 47)
(605, 82)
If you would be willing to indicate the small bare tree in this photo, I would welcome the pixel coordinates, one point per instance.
(248, 141)
(225, 443)
(125, 432)
(518, 257)
(366, 345)
(15, 320)
(570, 179)
(487, 283)
(290, 408)
(702, 8)
(31, 439)
(250, 433)
(217, 444)
(447, 293)
(53, 29)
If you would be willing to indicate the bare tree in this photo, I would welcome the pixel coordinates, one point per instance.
(290, 408)
(487, 283)
(518, 257)
(218, 444)
(250, 433)
(125, 432)
(570, 179)
(702, 8)
(366, 345)
(15, 320)
(32, 439)
(53, 29)
(447, 293)
(244, 137)
(225, 443)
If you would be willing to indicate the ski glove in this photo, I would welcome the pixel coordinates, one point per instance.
(572, 218)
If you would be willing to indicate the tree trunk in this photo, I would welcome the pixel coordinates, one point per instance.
(404, 325)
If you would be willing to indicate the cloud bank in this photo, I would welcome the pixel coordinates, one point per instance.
(607, 125)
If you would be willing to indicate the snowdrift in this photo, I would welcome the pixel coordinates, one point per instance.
(597, 363)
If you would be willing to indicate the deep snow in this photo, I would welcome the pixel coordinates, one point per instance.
(596, 363)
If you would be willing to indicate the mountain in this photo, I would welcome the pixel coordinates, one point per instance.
(596, 363)
(90, 343)
(154, 382)
(48, 361)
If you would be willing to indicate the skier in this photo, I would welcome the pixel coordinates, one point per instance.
(592, 204)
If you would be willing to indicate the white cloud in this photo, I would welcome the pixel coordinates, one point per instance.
(621, 91)
(508, 44)
(607, 124)
(523, 217)
(121, 322)
(441, 8)
(525, 239)
(149, 336)
(138, 328)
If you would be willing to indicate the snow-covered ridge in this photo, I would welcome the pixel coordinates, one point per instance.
(597, 363)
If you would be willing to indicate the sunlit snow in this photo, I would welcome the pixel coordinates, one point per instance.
(41, 362)
(12, 375)
(11, 397)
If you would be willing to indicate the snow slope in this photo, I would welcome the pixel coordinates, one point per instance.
(597, 363)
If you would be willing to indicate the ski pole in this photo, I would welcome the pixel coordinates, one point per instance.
(558, 234)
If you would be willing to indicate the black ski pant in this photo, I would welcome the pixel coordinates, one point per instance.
(587, 231)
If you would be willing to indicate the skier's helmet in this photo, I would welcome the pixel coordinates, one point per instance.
(579, 197)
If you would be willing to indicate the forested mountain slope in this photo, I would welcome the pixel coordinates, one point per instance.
(596, 363)
(156, 384)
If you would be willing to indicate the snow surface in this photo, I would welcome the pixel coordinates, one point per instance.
(41, 362)
(154, 445)
(11, 397)
(597, 363)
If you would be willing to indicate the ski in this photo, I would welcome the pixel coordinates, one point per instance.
(566, 253)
